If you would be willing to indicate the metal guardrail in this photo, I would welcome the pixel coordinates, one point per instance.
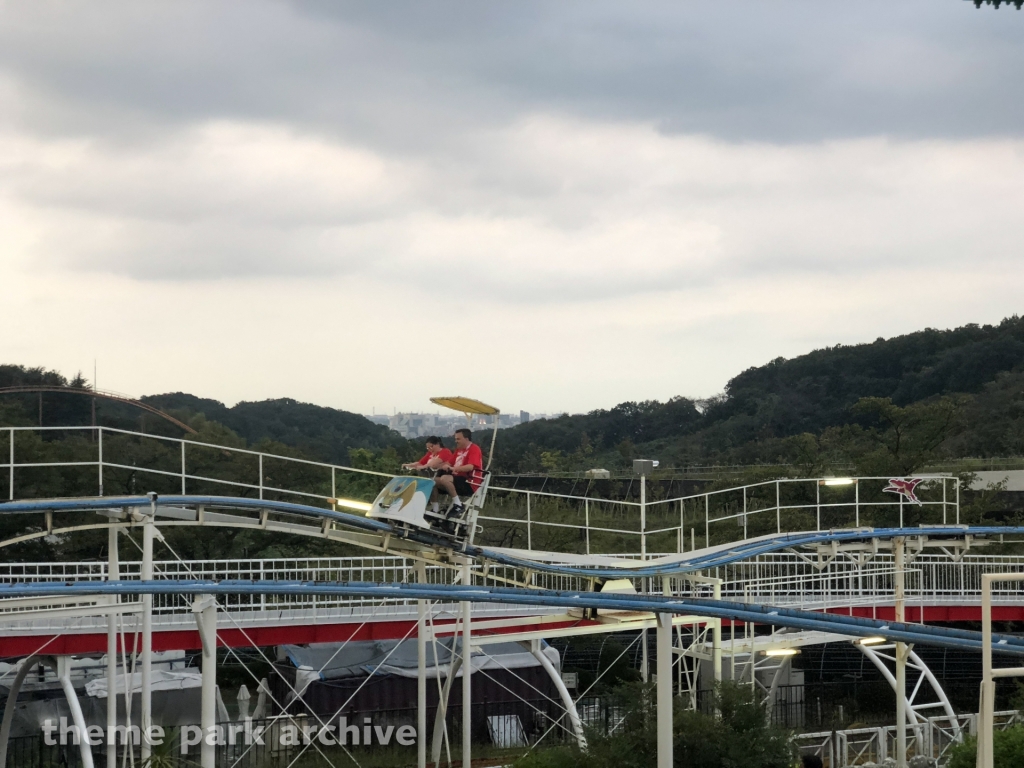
(857, 746)
(515, 517)
(782, 579)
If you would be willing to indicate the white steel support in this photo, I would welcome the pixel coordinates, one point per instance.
(113, 574)
(664, 693)
(643, 517)
(182, 467)
(11, 705)
(421, 672)
(717, 637)
(205, 610)
(899, 556)
(536, 648)
(467, 677)
(147, 631)
(10, 475)
(529, 523)
(63, 666)
(442, 706)
(99, 444)
(988, 680)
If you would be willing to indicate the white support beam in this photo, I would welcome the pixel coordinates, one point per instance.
(113, 574)
(63, 668)
(147, 631)
(205, 609)
(11, 705)
(467, 676)
(421, 672)
(664, 692)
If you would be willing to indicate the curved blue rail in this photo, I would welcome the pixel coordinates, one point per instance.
(723, 609)
(697, 561)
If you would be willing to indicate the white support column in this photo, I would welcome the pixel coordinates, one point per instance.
(467, 669)
(10, 469)
(563, 693)
(899, 555)
(442, 705)
(99, 445)
(988, 682)
(113, 574)
(147, 630)
(63, 664)
(644, 665)
(717, 637)
(205, 609)
(664, 662)
(421, 672)
(987, 706)
(11, 705)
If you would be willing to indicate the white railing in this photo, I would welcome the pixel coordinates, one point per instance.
(589, 525)
(132, 462)
(857, 746)
(781, 579)
(173, 610)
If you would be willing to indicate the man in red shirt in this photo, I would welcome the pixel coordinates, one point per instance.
(466, 470)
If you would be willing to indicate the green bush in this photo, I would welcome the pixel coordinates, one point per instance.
(1007, 750)
(741, 737)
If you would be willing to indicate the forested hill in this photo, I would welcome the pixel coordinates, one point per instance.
(889, 405)
(327, 434)
(763, 410)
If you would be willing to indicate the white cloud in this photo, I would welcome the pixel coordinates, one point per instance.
(553, 264)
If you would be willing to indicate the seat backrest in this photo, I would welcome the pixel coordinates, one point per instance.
(476, 503)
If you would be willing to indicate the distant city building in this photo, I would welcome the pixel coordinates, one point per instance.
(412, 425)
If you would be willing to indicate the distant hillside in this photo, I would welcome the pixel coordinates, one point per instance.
(764, 409)
(327, 434)
(935, 393)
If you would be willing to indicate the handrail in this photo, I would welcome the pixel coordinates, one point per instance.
(451, 593)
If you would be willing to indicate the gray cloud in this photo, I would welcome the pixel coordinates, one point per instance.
(414, 74)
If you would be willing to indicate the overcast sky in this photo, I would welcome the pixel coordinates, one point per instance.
(546, 205)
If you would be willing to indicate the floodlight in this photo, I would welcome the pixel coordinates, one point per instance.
(359, 506)
(876, 640)
(781, 652)
(838, 481)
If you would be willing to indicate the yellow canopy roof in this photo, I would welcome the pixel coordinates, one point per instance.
(465, 405)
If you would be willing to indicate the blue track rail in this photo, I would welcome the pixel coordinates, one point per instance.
(698, 561)
(853, 627)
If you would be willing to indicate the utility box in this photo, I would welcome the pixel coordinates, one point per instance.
(644, 466)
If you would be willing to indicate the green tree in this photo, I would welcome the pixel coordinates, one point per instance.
(740, 737)
(906, 438)
(1007, 750)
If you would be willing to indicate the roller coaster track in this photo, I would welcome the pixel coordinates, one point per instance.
(944, 637)
(690, 562)
(195, 510)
